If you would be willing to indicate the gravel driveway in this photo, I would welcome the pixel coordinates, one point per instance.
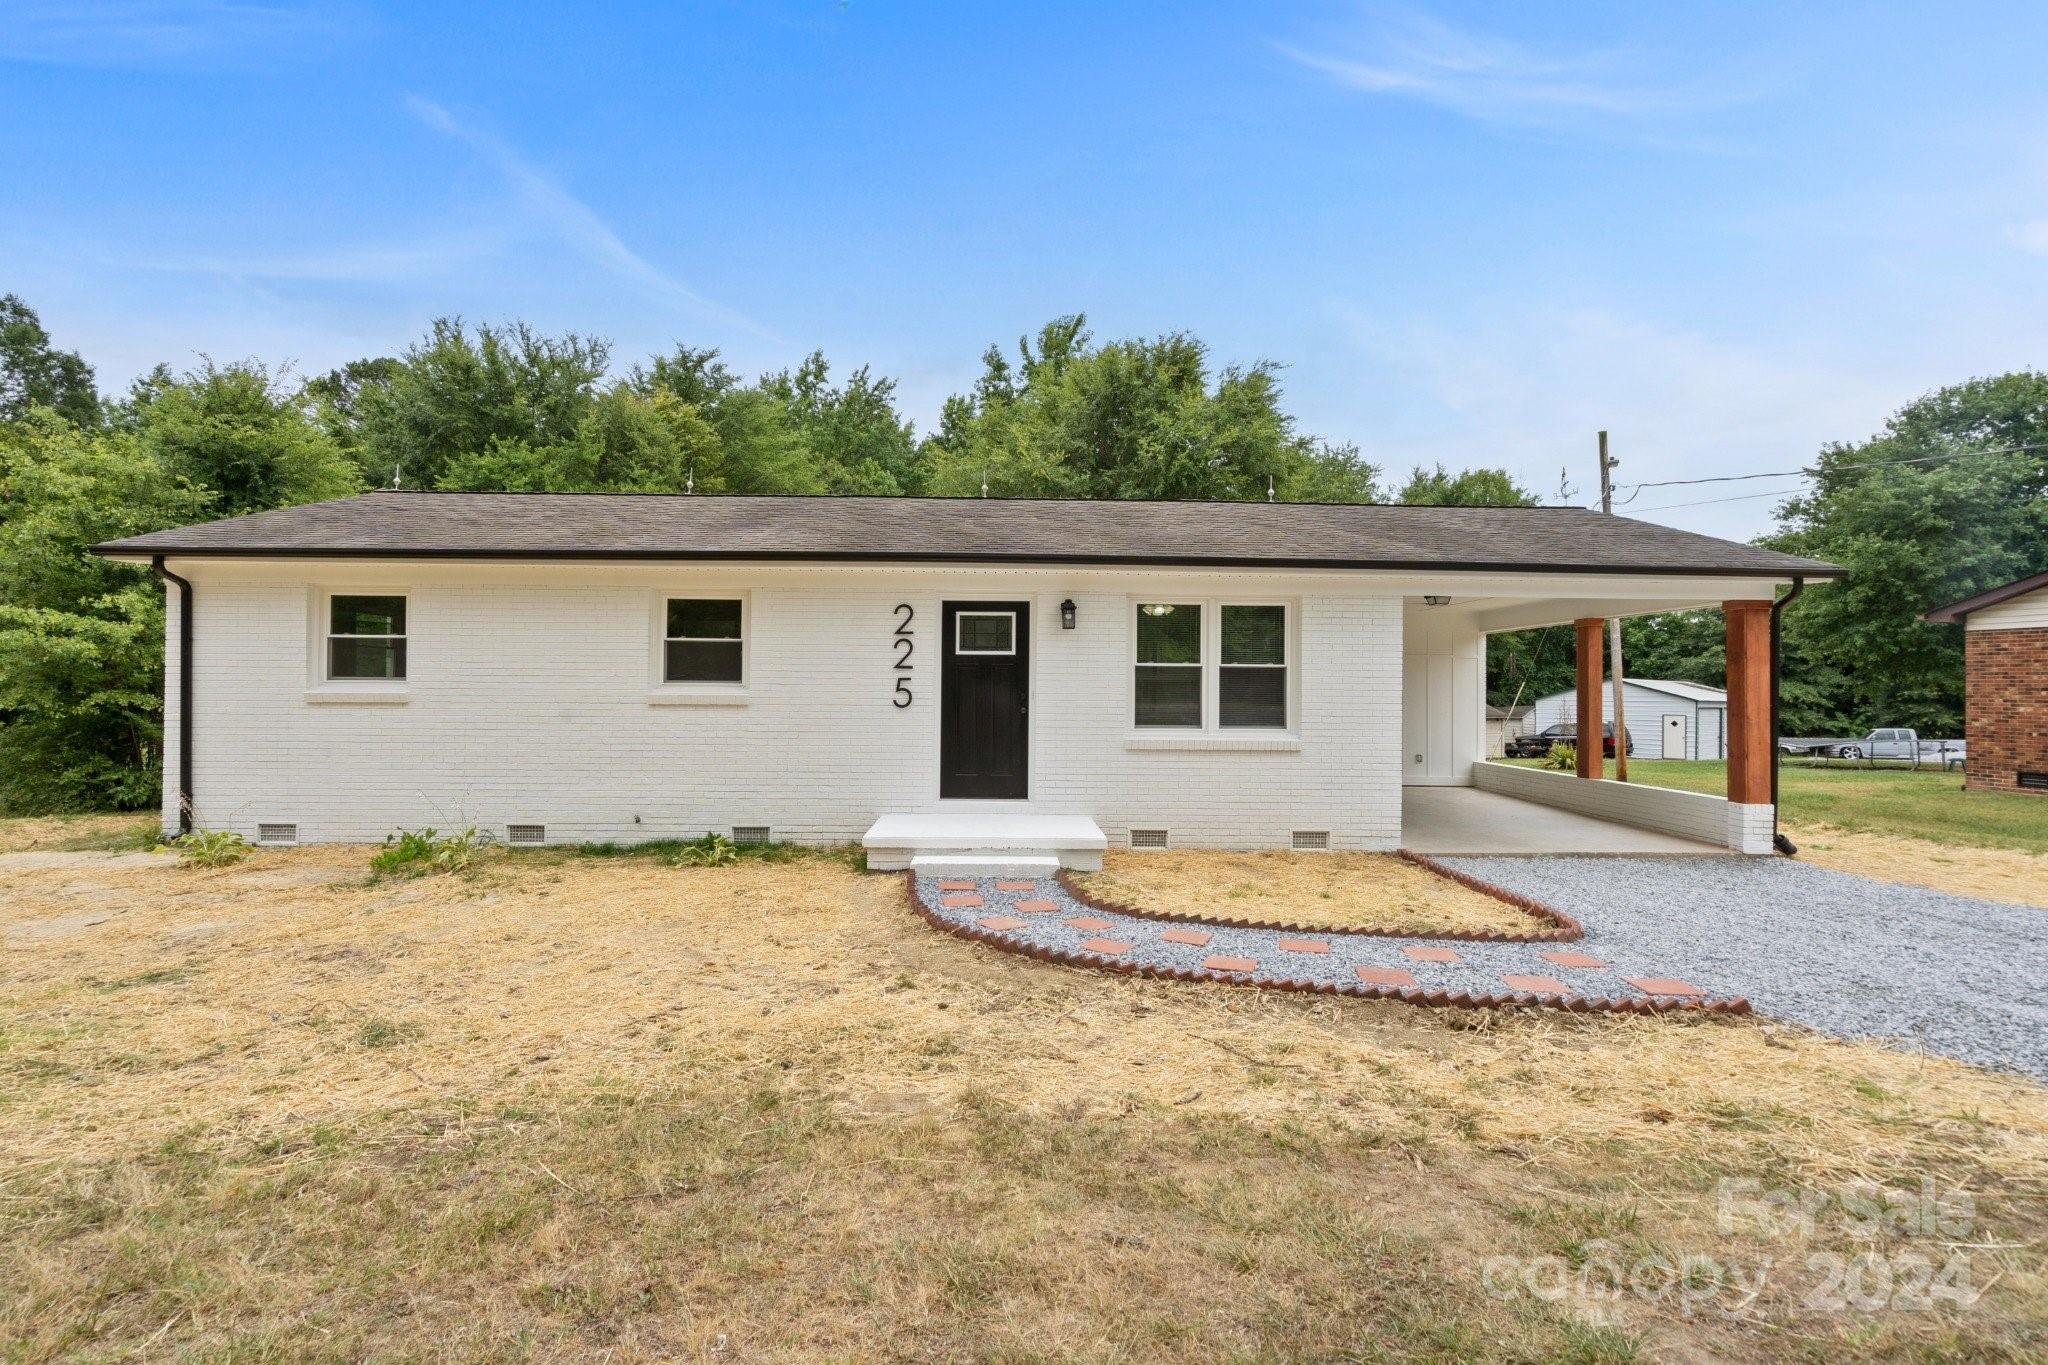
(1841, 953)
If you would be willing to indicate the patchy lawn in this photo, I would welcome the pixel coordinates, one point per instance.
(115, 831)
(566, 1108)
(1326, 890)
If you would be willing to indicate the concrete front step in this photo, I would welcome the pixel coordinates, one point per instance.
(997, 841)
(982, 864)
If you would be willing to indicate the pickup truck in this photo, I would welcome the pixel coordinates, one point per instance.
(1895, 744)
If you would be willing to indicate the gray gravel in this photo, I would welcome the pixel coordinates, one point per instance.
(1837, 952)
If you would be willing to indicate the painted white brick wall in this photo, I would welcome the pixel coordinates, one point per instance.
(527, 700)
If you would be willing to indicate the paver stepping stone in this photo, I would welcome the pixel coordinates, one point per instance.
(1566, 958)
(1087, 924)
(1663, 985)
(1230, 964)
(956, 885)
(1000, 922)
(963, 901)
(1034, 907)
(1108, 947)
(1431, 954)
(1016, 886)
(1541, 985)
(1385, 976)
(1304, 945)
(1194, 938)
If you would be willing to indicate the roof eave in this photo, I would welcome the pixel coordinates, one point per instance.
(1990, 597)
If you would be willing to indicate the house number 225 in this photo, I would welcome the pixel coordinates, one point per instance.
(904, 647)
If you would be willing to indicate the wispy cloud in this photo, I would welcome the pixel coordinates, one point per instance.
(1414, 56)
(364, 263)
(573, 221)
(153, 33)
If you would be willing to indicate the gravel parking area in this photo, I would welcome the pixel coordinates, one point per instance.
(1838, 952)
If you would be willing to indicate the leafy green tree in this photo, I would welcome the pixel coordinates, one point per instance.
(1130, 419)
(1469, 488)
(857, 440)
(81, 639)
(458, 392)
(33, 373)
(337, 398)
(238, 433)
(627, 443)
(1969, 511)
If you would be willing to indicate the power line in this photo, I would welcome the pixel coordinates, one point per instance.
(1703, 502)
(1810, 471)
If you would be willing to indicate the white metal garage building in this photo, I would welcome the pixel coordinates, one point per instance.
(1667, 719)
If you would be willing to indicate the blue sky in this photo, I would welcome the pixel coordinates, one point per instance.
(1470, 233)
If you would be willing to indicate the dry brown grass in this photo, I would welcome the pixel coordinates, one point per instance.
(560, 1107)
(62, 833)
(2001, 874)
(1333, 890)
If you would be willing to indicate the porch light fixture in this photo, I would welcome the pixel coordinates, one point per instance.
(1157, 609)
(1436, 599)
(1067, 614)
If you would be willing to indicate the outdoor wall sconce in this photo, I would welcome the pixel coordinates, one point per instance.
(1436, 599)
(1067, 614)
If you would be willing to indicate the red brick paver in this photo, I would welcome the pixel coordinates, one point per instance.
(1015, 886)
(1000, 922)
(1230, 964)
(1663, 985)
(1570, 959)
(954, 884)
(1087, 924)
(964, 901)
(1304, 945)
(1036, 907)
(1194, 938)
(1385, 976)
(1108, 947)
(1541, 985)
(1431, 954)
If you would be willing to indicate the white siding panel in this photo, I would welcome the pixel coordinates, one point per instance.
(2029, 611)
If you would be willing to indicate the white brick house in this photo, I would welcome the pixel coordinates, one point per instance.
(602, 668)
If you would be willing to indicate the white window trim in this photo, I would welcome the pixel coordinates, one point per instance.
(662, 692)
(1211, 734)
(1009, 653)
(322, 690)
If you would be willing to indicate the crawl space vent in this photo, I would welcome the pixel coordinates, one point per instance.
(750, 834)
(1311, 841)
(526, 834)
(277, 833)
(2035, 782)
(1148, 838)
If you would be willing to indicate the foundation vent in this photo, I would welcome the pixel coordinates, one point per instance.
(2033, 782)
(277, 832)
(1148, 838)
(1312, 841)
(526, 835)
(750, 834)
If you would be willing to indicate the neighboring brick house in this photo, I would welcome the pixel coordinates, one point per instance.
(2005, 667)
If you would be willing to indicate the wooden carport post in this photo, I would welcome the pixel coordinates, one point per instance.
(1751, 745)
(1592, 695)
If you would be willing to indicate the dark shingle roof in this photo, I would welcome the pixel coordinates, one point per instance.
(390, 524)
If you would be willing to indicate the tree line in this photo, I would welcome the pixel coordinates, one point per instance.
(1063, 414)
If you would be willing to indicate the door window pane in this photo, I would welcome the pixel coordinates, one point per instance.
(985, 632)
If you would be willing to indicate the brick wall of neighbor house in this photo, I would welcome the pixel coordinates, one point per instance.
(2006, 706)
(529, 701)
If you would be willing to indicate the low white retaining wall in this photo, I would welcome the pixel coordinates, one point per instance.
(1689, 815)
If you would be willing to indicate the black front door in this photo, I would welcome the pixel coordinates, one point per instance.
(984, 694)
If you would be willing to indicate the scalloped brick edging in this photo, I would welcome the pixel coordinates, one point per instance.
(1562, 927)
(1407, 995)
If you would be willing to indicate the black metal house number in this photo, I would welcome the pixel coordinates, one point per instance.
(904, 648)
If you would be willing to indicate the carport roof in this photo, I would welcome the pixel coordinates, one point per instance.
(394, 524)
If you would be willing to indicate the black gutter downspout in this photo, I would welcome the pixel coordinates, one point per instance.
(1779, 841)
(184, 586)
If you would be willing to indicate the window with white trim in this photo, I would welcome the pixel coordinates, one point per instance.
(1169, 681)
(985, 632)
(365, 637)
(701, 640)
(1211, 666)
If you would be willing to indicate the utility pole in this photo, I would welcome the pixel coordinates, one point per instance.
(1613, 631)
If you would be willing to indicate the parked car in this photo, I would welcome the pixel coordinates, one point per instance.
(1566, 732)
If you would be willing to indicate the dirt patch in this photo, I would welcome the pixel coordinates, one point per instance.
(1999, 874)
(1375, 891)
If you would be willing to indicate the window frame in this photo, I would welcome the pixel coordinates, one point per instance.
(668, 600)
(321, 684)
(1211, 664)
(661, 691)
(960, 652)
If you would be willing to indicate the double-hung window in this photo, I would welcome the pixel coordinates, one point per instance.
(702, 640)
(1211, 665)
(365, 637)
